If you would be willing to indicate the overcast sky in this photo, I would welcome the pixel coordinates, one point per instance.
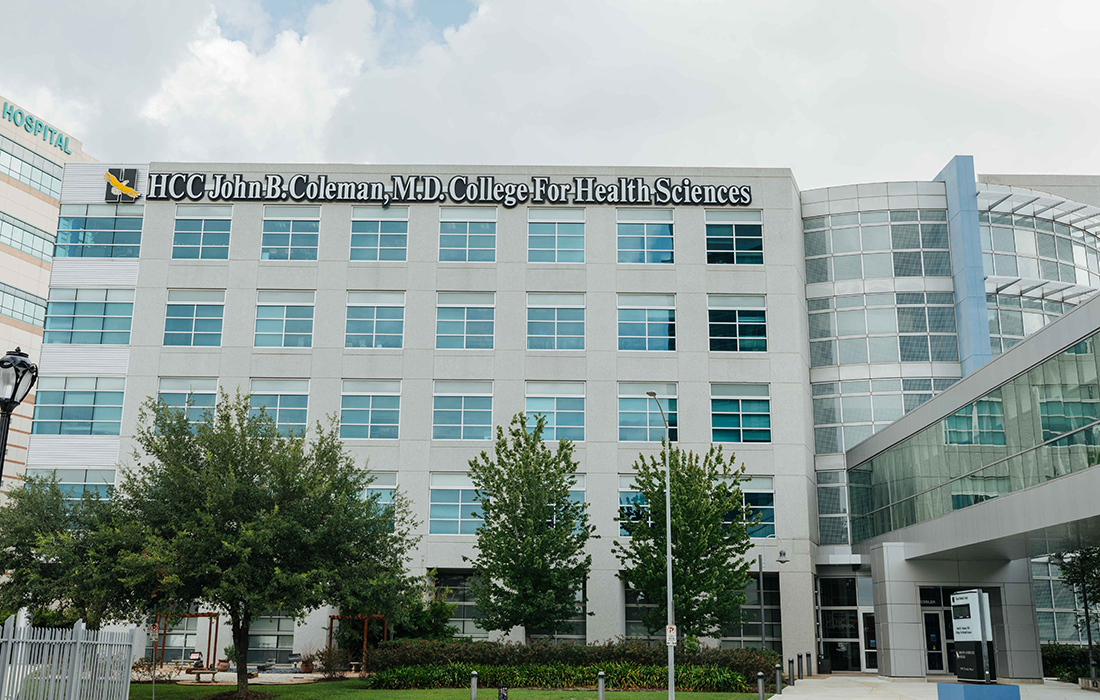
(839, 91)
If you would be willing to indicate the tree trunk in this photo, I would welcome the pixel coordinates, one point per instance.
(240, 642)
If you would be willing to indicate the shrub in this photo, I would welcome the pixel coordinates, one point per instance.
(1066, 662)
(333, 661)
(143, 670)
(421, 652)
(621, 676)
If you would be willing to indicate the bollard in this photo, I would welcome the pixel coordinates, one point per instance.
(599, 684)
(790, 670)
(760, 684)
(809, 665)
(502, 694)
(800, 667)
(473, 685)
(779, 679)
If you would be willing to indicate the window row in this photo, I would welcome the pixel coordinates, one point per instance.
(464, 320)
(1012, 318)
(1034, 248)
(371, 409)
(28, 167)
(22, 306)
(24, 237)
(466, 234)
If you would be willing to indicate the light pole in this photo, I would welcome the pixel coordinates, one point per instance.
(782, 559)
(668, 550)
(17, 376)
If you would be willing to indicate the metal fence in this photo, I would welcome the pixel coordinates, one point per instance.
(50, 663)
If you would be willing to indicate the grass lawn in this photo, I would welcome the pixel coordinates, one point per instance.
(353, 690)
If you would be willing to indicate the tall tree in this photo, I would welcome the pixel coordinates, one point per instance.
(239, 518)
(1080, 568)
(60, 554)
(531, 563)
(709, 541)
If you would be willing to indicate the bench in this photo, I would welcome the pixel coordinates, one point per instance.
(355, 666)
(198, 673)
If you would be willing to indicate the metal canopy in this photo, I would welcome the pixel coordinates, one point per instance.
(1020, 201)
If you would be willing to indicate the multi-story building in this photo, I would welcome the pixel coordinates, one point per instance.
(33, 153)
(426, 305)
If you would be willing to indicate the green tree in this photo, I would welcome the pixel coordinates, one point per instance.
(60, 555)
(237, 517)
(1081, 569)
(709, 541)
(531, 563)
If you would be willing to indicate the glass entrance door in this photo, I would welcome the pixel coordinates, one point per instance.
(933, 642)
(870, 647)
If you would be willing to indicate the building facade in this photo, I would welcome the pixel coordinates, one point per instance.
(33, 154)
(426, 305)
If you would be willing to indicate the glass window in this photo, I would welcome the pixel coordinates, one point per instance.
(464, 320)
(562, 403)
(379, 233)
(78, 406)
(632, 504)
(22, 306)
(74, 483)
(193, 317)
(284, 319)
(647, 321)
(26, 166)
(290, 232)
(89, 316)
(454, 587)
(384, 486)
(103, 231)
(747, 634)
(454, 505)
(759, 501)
(737, 323)
(286, 401)
(462, 410)
(740, 413)
(555, 235)
(202, 394)
(271, 639)
(645, 236)
(639, 414)
(555, 321)
(467, 234)
(735, 237)
(370, 409)
(18, 234)
(375, 320)
(202, 231)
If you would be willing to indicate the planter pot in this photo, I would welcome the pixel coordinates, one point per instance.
(307, 667)
(223, 665)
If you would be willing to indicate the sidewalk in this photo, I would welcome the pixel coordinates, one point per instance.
(837, 687)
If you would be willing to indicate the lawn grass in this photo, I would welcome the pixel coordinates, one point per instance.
(353, 690)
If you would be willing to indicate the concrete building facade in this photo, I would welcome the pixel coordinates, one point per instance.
(425, 305)
(33, 153)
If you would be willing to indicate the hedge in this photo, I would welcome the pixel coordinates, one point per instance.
(423, 652)
(1066, 662)
(621, 676)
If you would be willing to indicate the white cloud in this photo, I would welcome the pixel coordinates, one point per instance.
(840, 92)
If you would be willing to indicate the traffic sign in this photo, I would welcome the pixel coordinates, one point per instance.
(670, 635)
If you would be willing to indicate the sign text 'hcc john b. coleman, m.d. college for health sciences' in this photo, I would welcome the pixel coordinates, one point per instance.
(460, 189)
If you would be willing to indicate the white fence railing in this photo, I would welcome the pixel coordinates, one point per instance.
(47, 663)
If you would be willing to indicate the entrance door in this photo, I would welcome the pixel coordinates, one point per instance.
(870, 647)
(934, 643)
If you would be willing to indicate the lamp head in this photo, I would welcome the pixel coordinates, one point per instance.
(651, 394)
(782, 558)
(17, 375)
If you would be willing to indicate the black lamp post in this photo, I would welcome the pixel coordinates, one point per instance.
(17, 375)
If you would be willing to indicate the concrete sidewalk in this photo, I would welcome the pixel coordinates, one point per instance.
(838, 687)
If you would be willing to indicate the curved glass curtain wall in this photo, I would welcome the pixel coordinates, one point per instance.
(886, 328)
(1039, 426)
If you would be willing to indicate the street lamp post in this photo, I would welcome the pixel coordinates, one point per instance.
(668, 550)
(17, 376)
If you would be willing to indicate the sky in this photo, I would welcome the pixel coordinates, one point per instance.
(840, 92)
